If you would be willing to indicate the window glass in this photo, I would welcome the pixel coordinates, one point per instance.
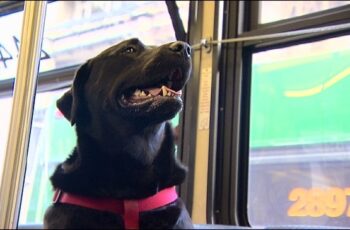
(51, 141)
(8, 62)
(270, 11)
(300, 135)
(77, 30)
(5, 105)
(12, 24)
(74, 32)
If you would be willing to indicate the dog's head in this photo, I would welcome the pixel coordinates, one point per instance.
(129, 82)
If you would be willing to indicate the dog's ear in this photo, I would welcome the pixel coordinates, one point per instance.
(64, 104)
(68, 104)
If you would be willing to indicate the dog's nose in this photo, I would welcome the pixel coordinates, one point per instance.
(181, 47)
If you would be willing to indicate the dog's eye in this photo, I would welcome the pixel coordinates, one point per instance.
(129, 50)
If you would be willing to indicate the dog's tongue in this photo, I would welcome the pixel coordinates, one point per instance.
(154, 91)
(163, 90)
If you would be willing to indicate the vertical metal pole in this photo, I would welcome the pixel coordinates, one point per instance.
(200, 188)
(22, 111)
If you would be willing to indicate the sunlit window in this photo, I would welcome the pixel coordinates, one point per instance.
(300, 135)
(51, 141)
(77, 30)
(271, 11)
(5, 105)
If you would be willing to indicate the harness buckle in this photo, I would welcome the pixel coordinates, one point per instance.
(57, 196)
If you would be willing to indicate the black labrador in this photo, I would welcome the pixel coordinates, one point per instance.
(120, 102)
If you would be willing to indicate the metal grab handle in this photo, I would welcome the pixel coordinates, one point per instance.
(22, 111)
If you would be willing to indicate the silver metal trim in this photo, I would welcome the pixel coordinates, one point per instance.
(22, 112)
(319, 30)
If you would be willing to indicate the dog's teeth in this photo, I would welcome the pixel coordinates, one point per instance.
(164, 91)
(143, 94)
(169, 94)
(137, 92)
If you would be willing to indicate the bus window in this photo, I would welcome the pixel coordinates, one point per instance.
(12, 24)
(289, 9)
(52, 139)
(5, 105)
(71, 29)
(8, 48)
(300, 135)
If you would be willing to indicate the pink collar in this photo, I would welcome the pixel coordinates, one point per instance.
(130, 209)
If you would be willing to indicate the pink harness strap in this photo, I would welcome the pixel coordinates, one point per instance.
(129, 209)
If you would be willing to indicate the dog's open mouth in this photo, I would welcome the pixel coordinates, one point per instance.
(140, 96)
(149, 97)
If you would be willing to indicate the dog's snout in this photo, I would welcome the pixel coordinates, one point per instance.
(181, 48)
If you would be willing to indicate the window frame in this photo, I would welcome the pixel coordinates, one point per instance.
(47, 81)
(231, 174)
(188, 120)
(232, 164)
(324, 17)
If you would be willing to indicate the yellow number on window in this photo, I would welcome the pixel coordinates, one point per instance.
(315, 206)
(335, 201)
(298, 208)
(347, 193)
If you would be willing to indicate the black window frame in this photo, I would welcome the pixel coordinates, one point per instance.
(188, 120)
(241, 20)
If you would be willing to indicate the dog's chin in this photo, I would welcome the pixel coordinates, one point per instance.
(154, 109)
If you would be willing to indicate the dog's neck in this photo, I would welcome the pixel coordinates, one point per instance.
(137, 168)
(118, 136)
(145, 145)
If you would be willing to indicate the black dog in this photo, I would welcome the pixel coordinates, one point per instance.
(120, 102)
